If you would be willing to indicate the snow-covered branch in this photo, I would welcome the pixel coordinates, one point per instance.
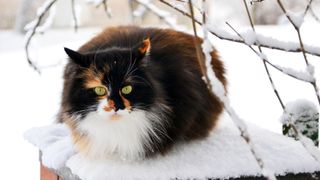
(163, 15)
(33, 29)
(217, 88)
(104, 3)
(263, 41)
(263, 58)
(296, 22)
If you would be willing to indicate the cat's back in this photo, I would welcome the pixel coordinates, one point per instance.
(129, 36)
(167, 46)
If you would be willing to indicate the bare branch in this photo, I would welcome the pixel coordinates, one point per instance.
(263, 60)
(280, 45)
(75, 21)
(106, 9)
(44, 9)
(313, 14)
(197, 45)
(307, 8)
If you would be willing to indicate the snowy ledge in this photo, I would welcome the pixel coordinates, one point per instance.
(223, 155)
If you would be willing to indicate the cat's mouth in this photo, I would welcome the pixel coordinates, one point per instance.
(118, 115)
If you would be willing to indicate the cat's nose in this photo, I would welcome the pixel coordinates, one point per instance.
(114, 105)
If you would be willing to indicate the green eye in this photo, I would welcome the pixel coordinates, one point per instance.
(126, 89)
(100, 90)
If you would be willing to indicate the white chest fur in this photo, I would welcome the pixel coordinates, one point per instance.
(125, 135)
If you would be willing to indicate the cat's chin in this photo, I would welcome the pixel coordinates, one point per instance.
(123, 134)
(114, 115)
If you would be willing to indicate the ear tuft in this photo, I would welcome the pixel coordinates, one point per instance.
(145, 47)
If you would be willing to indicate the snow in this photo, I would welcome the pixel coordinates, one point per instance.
(249, 91)
(95, 2)
(297, 18)
(218, 89)
(301, 75)
(223, 154)
(164, 15)
(300, 108)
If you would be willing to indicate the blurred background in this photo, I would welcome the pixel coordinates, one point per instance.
(29, 99)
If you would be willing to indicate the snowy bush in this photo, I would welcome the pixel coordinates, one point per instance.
(305, 116)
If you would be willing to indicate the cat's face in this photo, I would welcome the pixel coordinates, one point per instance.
(112, 100)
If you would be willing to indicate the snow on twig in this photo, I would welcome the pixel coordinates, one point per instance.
(218, 89)
(140, 10)
(98, 3)
(299, 75)
(197, 45)
(74, 15)
(263, 57)
(304, 53)
(264, 41)
(163, 15)
(33, 29)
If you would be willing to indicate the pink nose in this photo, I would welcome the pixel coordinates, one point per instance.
(110, 106)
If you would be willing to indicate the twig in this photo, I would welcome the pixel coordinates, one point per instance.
(140, 10)
(46, 6)
(297, 28)
(106, 9)
(313, 14)
(307, 8)
(198, 48)
(75, 21)
(163, 15)
(255, 1)
(280, 44)
(263, 57)
(263, 60)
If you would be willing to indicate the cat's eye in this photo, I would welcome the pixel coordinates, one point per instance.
(126, 89)
(100, 90)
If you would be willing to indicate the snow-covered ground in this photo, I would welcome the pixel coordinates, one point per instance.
(29, 99)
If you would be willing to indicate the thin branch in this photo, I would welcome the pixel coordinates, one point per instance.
(163, 15)
(307, 8)
(44, 9)
(197, 45)
(106, 8)
(313, 14)
(297, 28)
(263, 60)
(224, 36)
(74, 15)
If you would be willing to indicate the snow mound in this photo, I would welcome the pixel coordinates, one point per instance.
(223, 154)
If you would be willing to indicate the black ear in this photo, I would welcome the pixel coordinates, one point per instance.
(77, 58)
(143, 48)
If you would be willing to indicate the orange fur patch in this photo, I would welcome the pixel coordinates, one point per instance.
(145, 48)
(126, 102)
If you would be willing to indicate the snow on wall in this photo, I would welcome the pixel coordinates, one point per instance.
(223, 154)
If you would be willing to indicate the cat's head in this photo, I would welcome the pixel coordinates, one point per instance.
(113, 103)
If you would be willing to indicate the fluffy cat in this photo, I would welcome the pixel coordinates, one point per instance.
(133, 92)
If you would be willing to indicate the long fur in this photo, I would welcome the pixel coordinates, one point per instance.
(170, 102)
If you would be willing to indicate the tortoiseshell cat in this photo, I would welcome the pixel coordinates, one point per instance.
(133, 92)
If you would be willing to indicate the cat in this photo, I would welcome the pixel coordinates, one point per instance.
(132, 93)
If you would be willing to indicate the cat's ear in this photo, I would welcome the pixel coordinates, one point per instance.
(143, 48)
(77, 57)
